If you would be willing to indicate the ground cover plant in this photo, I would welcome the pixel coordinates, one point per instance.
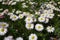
(29, 19)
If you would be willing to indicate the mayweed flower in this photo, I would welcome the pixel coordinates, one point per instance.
(14, 17)
(50, 16)
(33, 37)
(43, 15)
(50, 11)
(50, 29)
(41, 19)
(9, 38)
(3, 31)
(50, 6)
(46, 11)
(3, 24)
(29, 26)
(19, 38)
(39, 27)
(28, 19)
(21, 16)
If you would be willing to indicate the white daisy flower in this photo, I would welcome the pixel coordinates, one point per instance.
(50, 6)
(29, 26)
(50, 29)
(43, 15)
(33, 37)
(50, 11)
(41, 19)
(3, 31)
(19, 38)
(50, 16)
(28, 19)
(21, 16)
(9, 38)
(14, 17)
(3, 24)
(45, 11)
(39, 27)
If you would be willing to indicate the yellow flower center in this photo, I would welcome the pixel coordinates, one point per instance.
(39, 27)
(3, 25)
(28, 19)
(41, 18)
(33, 37)
(14, 17)
(29, 25)
(2, 30)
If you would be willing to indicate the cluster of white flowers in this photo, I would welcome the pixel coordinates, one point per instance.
(11, 38)
(44, 14)
(10, 2)
(3, 28)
